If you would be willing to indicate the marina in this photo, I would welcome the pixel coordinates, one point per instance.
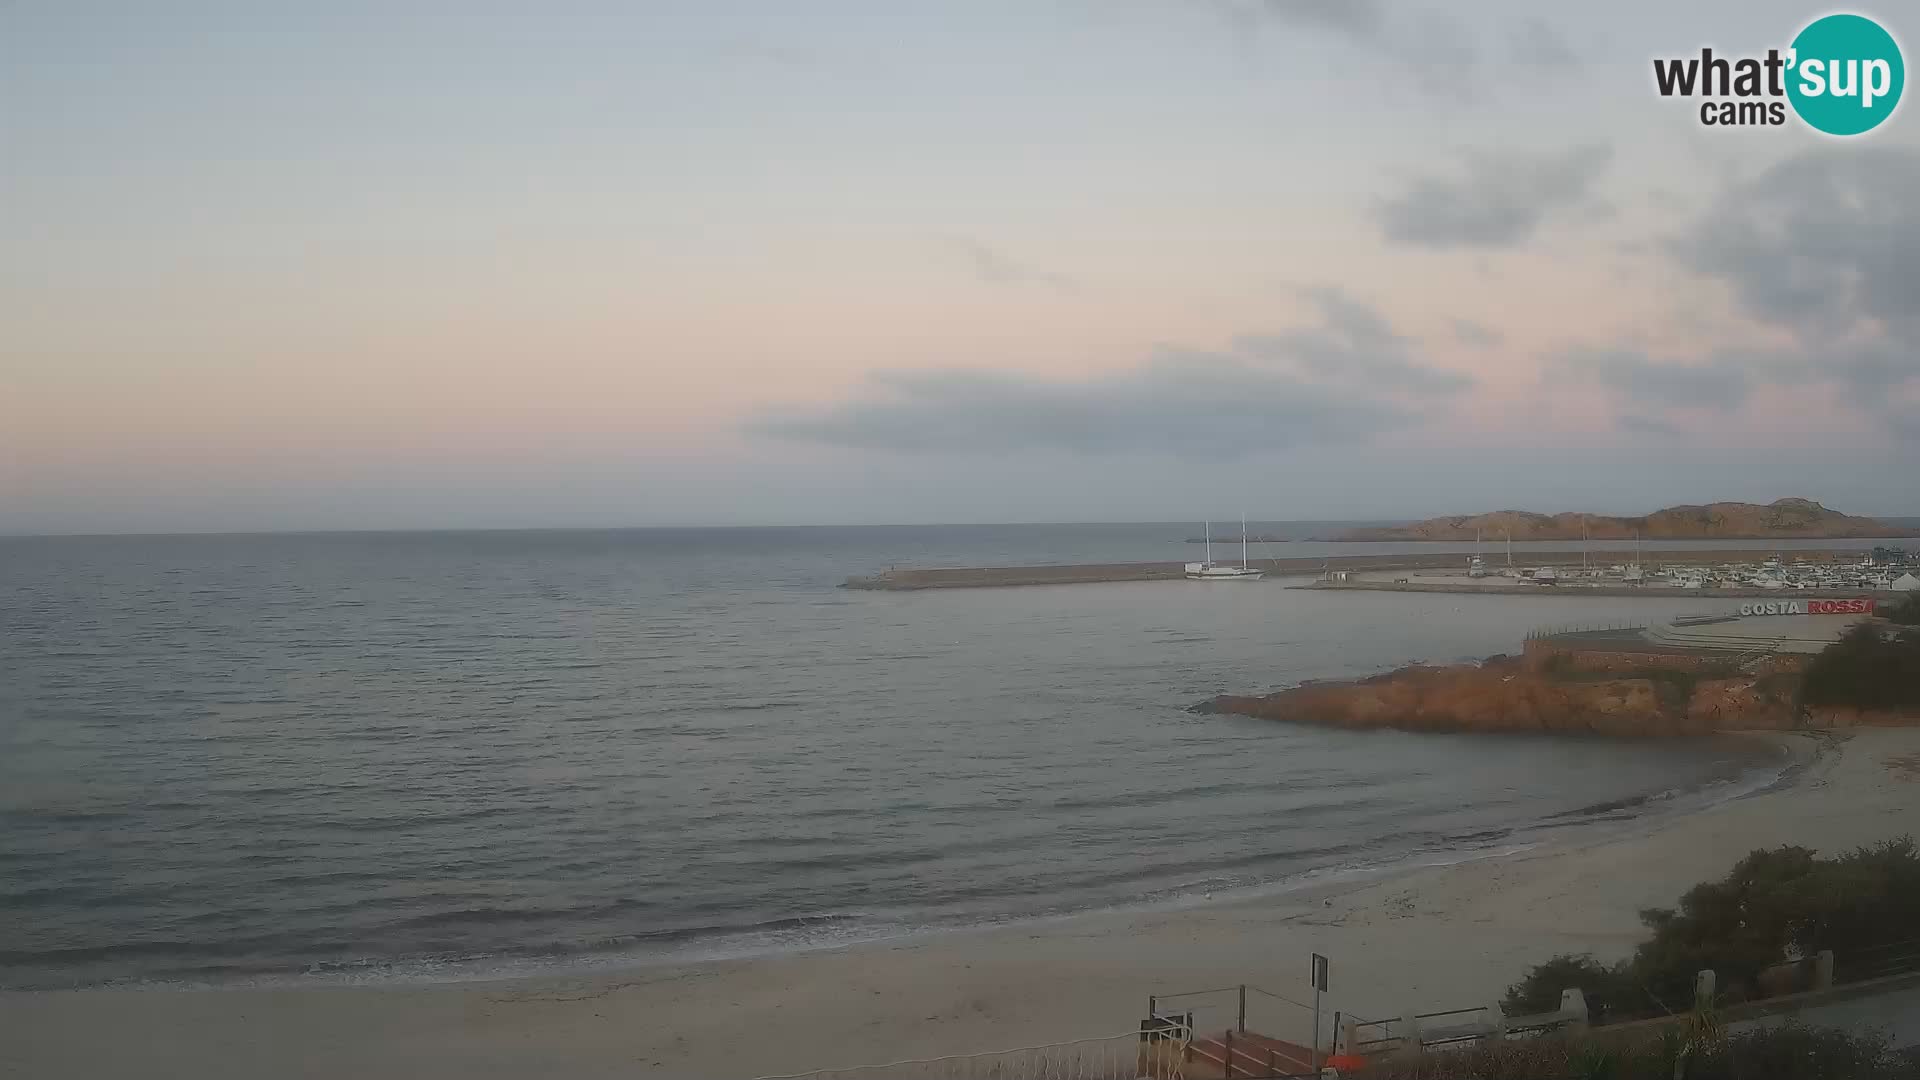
(1809, 575)
(1669, 572)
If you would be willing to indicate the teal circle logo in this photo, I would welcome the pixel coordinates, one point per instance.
(1846, 74)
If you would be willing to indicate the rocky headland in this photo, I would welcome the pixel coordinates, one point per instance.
(1783, 519)
(1656, 696)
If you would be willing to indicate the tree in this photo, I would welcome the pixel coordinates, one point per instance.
(1736, 926)
(1539, 991)
(1906, 611)
(1777, 904)
(1868, 669)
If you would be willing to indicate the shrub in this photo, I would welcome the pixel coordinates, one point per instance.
(1867, 669)
(1905, 611)
(1775, 904)
(1783, 1053)
(1735, 926)
(1539, 991)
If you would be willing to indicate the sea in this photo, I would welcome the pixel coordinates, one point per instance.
(392, 757)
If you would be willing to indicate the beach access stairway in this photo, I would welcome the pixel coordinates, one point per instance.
(1235, 1056)
(1213, 1034)
(1221, 1042)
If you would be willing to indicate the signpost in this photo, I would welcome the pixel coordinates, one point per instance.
(1319, 987)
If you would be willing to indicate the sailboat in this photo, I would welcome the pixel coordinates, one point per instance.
(1213, 571)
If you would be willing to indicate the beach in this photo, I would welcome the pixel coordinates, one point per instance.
(1428, 938)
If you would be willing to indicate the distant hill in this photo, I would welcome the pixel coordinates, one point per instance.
(1784, 519)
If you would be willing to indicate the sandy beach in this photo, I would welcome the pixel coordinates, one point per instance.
(1430, 938)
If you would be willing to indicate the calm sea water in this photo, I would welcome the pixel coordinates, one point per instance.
(369, 756)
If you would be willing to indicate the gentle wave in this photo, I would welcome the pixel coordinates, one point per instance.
(434, 754)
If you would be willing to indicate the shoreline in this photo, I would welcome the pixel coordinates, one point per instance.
(1438, 936)
(910, 579)
(1761, 751)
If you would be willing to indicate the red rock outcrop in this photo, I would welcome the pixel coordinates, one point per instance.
(1506, 695)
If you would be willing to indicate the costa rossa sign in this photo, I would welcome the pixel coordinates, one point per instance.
(1854, 606)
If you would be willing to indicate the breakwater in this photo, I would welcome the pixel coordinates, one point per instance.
(978, 577)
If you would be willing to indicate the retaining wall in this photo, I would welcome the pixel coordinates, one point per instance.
(1623, 658)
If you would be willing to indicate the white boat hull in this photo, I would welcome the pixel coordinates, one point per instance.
(1209, 572)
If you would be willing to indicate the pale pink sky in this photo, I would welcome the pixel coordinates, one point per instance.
(608, 267)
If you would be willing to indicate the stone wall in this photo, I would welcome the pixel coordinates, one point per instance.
(1541, 651)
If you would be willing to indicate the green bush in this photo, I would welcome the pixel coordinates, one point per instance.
(1783, 1053)
(1736, 926)
(1905, 612)
(1606, 992)
(1776, 904)
(1867, 669)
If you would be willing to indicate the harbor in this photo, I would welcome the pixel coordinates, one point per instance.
(1669, 572)
(1807, 576)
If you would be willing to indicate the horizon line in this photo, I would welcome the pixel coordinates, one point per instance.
(429, 529)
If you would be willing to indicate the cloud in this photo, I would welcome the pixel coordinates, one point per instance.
(1476, 334)
(1346, 380)
(1721, 383)
(1179, 406)
(1824, 247)
(1497, 200)
(1646, 425)
(1825, 243)
(1436, 49)
(1433, 47)
(1354, 343)
(1534, 43)
(1439, 53)
(998, 268)
(1359, 19)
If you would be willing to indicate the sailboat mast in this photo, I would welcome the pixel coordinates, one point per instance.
(1209, 528)
(1243, 539)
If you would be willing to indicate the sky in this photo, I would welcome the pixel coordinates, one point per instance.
(428, 265)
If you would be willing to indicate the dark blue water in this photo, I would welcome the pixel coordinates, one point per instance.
(379, 755)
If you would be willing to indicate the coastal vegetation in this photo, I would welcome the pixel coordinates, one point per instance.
(1868, 668)
(1906, 612)
(1777, 905)
(1780, 1053)
(1781, 519)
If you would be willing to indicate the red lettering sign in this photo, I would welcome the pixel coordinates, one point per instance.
(1840, 607)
